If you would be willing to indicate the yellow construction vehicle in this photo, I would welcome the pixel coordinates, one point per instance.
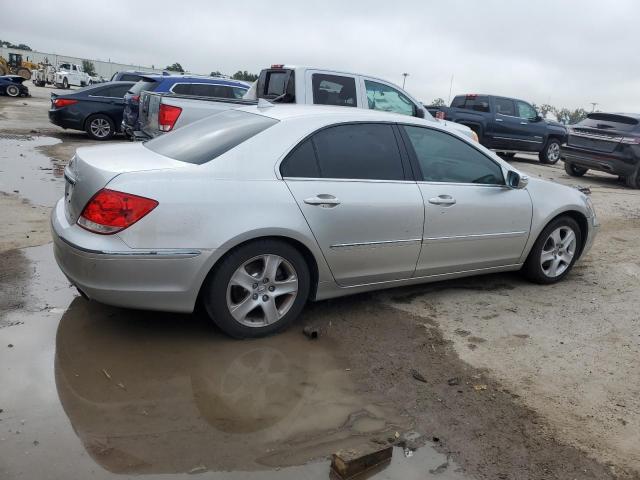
(15, 66)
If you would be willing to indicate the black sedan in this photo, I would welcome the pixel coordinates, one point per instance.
(12, 86)
(608, 142)
(96, 109)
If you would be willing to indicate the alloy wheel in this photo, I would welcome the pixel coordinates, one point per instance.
(553, 152)
(558, 251)
(262, 290)
(100, 128)
(13, 91)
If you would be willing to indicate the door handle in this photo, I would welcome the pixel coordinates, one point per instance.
(323, 200)
(499, 120)
(524, 123)
(445, 200)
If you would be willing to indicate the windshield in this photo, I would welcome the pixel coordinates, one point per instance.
(610, 121)
(206, 139)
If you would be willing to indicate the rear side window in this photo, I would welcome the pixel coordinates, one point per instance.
(504, 106)
(445, 158)
(129, 77)
(276, 83)
(478, 103)
(182, 88)
(361, 151)
(206, 139)
(143, 86)
(117, 91)
(334, 90)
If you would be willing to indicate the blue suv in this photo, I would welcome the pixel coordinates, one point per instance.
(178, 84)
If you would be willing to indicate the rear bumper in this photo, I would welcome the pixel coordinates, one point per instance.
(105, 269)
(618, 162)
(62, 119)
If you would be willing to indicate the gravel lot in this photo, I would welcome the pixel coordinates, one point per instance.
(521, 381)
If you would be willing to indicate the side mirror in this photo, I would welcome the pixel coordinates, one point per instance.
(516, 181)
(538, 118)
(419, 112)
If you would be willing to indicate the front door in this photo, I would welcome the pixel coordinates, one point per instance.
(531, 129)
(357, 195)
(473, 220)
(506, 124)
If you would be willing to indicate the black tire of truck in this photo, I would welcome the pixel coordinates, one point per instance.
(65, 83)
(550, 154)
(633, 180)
(573, 170)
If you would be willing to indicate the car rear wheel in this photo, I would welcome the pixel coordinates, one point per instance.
(573, 170)
(550, 154)
(258, 289)
(556, 250)
(100, 127)
(633, 180)
(13, 91)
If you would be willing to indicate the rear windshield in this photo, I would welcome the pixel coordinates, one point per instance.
(143, 86)
(479, 103)
(610, 121)
(206, 139)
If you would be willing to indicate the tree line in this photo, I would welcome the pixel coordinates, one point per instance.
(566, 116)
(239, 75)
(20, 46)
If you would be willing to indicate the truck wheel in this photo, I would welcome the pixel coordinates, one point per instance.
(65, 83)
(100, 127)
(24, 73)
(573, 170)
(550, 154)
(13, 91)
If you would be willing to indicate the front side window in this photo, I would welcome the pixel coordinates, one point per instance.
(388, 99)
(334, 90)
(526, 111)
(359, 151)
(445, 158)
(504, 106)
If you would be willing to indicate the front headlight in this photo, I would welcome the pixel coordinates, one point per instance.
(474, 136)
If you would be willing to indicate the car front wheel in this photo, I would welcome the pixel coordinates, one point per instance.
(258, 289)
(574, 170)
(556, 250)
(550, 154)
(633, 180)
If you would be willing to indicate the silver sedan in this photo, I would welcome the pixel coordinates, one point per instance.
(256, 211)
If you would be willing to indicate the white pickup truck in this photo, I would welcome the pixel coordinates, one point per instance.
(163, 112)
(71, 74)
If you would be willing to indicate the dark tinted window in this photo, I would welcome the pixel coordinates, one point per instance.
(182, 88)
(504, 106)
(275, 83)
(334, 90)
(479, 103)
(388, 99)
(358, 151)
(206, 139)
(129, 77)
(301, 162)
(116, 91)
(445, 158)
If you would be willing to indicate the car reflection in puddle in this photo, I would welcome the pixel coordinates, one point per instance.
(157, 393)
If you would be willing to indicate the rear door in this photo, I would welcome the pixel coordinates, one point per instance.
(356, 192)
(112, 99)
(472, 219)
(506, 124)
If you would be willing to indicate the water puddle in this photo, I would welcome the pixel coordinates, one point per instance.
(94, 391)
(28, 172)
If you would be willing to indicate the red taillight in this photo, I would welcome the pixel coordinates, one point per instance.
(167, 116)
(136, 98)
(63, 102)
(277, 65)
(110, 211)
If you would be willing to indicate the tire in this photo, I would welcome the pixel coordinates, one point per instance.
(507, 154)
(24, 73)
(633, 180)
(100, 127)
(241, 279)
(65, 83)
(560, 252)
(13, 91)
(574, 171)
(550, 154)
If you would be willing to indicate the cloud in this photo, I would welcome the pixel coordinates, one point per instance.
(568, 53)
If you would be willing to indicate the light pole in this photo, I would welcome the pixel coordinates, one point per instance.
(405, 75)
(593, 106)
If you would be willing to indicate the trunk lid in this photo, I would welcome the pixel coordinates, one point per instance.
(602, 132)
(92, 168)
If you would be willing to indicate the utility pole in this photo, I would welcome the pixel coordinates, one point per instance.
(450, 88)
(593, 106)
(405, 75)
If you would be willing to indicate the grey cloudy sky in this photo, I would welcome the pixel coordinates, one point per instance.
(564, 52)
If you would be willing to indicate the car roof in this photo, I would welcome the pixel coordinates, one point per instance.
(198, 78)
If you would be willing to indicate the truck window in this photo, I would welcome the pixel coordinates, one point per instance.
(504, 106)
(479, 103)
(388, 99)
(182, 88)
(526, 111)
(334, 90)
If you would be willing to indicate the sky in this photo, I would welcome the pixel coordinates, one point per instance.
(568, 53)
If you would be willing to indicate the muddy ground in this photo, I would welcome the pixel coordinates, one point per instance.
(514, 381)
